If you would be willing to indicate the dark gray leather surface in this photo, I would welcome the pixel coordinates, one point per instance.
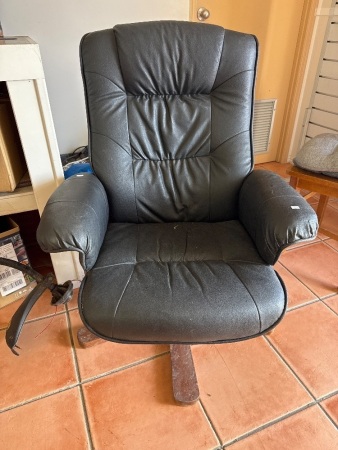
(75, 218)
(170, 109)
(274, 214)
(180, 282)
(186, 253)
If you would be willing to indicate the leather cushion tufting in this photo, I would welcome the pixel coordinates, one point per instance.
(180, 282)
(170, 144)
(320, 154)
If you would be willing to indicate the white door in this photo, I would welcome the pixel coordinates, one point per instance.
(322, 114)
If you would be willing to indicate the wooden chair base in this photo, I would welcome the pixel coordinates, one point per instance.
(185, 386)
(87, 339)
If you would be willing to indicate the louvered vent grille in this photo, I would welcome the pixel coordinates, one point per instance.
(264, 111)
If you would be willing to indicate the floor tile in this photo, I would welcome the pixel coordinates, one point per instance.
(42, 308)
(330, 220)
(315, 265)
(135, 409)
(45, 363)
(331, 407)
(307, 338)
(332, 243)
(107, 356)
(244, 385)
(332, 302)
(306, 430)
(298, 293)
(322, 236)
(55, 422)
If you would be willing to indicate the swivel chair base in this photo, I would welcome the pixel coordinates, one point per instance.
(185, 386)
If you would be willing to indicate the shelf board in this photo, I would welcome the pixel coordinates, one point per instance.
(20, 200)
(24, 50)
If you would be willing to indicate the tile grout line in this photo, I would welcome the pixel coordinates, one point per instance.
(298, 279)
(125, 367)
(47, 394)
(327, 297)
(310, 302)
(328, 306)
(316, 400)
(327, 396)
(330, 246)
(36, 319)
(319, 297)
(290, 368)
(40, 397)
(302, 282)
(269, 424)
(322, 399)
(302, 245)
(266, 425)
(328, 416)
(77, 370)
(210, 423)
(79, 383)
(299, 245)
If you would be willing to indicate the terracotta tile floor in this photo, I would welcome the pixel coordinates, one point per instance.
(274, 392)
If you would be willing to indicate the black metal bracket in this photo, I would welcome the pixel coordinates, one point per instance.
(61, 294)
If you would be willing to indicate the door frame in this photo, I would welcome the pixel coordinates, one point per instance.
(324, 13)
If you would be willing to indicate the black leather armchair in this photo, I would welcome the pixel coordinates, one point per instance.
(175, 231)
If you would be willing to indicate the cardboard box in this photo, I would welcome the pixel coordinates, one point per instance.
(13, 283)
(12, 161)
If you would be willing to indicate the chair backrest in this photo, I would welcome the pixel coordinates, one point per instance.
(169, 108)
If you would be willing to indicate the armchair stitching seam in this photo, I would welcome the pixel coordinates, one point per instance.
(232, 76)
(111, 139)
(219, 61)
(121, 296)
(103, 76)
(228, 139)
(178, 261)
(259, 315)
(74, 201)
(132, 162)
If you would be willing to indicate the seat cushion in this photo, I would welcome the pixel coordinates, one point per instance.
(180, 282)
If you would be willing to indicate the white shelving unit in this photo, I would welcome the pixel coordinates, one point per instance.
(21, 68)
(20, 200)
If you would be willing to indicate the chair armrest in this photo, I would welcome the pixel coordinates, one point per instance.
(274, 214)
(75, 218)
